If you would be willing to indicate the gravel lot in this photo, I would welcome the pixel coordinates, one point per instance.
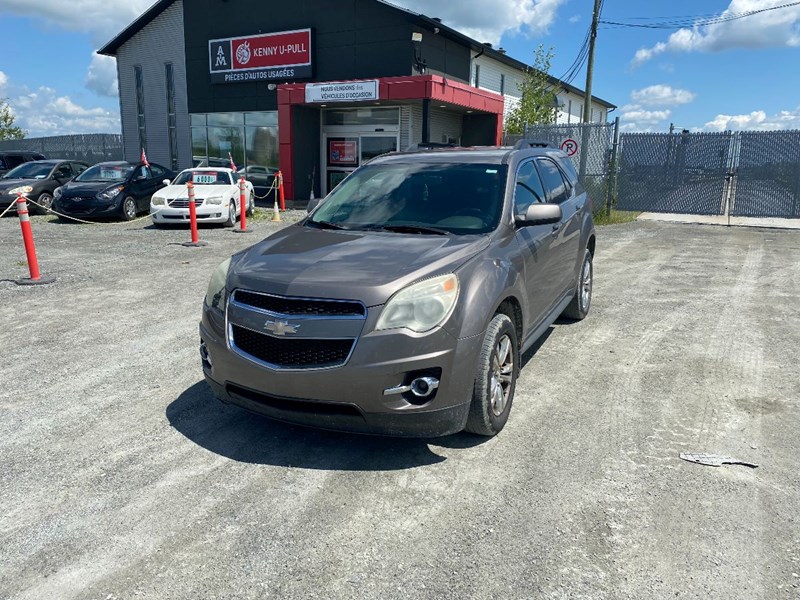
(122, 477)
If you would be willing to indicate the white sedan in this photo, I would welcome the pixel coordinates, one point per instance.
(216, 197)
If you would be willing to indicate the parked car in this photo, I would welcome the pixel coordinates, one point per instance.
(403, 303)
(111, 189)
(38, 180)
(216, 197)
(10, 159)
(262, 178)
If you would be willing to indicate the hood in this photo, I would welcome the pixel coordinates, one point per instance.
(200, 191)
(86, 188)
(348, 265)
(7, 184)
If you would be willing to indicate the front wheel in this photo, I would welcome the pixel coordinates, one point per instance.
(231, 215)
(498, 367)
(45, 202)
(582, 301)
(129, 209)
(251, 208)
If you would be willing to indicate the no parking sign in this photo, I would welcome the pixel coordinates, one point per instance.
(569, 146)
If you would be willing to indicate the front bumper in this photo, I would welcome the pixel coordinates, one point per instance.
(88, 207)
(350, 397)
(206, 213)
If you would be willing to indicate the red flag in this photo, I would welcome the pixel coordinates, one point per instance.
(144, 159)
(233, 164)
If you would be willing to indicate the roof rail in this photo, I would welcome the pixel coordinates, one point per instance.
(532, 144)
(429, 146)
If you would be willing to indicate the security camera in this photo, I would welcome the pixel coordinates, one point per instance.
(435, 30)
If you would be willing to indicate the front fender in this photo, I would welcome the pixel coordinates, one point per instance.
(486, 282)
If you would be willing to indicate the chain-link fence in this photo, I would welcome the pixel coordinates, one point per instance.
(91, 148)
(676, 173)
(767, 174)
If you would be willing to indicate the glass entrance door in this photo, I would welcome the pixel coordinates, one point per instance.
(345, 153)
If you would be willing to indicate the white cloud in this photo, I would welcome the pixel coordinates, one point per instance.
(44, 112)
(775, 28)
(758, 120)
(101, 19)
(3, 80)
(662, 95)
(488, 20)
(636, 118)
(102, 76)
(574, 18)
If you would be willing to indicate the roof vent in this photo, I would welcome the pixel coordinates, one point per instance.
(487, 44)
(501, 50)
(437, 19)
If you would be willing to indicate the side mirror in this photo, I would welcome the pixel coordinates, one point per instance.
(166, 182)
(312, 204)
(539, 214)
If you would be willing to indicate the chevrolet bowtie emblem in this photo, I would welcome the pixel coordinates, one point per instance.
(281, 327)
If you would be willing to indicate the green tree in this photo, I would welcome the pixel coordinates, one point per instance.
(537, 104)
(8, 131)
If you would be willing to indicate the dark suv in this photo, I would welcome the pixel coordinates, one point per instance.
(402, 303)
(10, 159)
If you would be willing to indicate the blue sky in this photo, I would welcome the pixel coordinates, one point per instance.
(732, 75)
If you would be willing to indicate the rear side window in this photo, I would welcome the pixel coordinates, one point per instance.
(14, 160)
(557, 191)
(79, 168)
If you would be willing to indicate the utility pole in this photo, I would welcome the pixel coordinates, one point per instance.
(587, 101)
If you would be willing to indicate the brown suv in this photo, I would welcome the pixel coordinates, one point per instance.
(402, 303)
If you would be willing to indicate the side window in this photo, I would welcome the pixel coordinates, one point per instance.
(14, 160)
(143, 172)
(158, 172)
(529, 188)
(64, 172)
(79, 168)
(557, 191)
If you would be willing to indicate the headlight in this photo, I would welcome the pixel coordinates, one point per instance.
(25, 189)
(422, 306)
(110, 193)
(215, 296)
(157, 201)
(214, 200)
(57, 192)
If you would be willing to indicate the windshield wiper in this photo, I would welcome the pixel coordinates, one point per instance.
(327, 225)
(414, 229)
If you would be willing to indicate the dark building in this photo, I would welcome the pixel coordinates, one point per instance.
(315, 88)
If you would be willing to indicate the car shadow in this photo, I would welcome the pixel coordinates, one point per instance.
(239, 435)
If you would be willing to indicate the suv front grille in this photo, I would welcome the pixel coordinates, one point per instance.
(296, 353)
(300, 306)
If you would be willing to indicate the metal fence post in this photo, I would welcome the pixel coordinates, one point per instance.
(612, 169)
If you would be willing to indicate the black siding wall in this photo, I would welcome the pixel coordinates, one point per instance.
(352, 39)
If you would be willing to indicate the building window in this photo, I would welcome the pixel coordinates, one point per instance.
(137, 70)
(171, 127)
(477, 76)
(251, 139)
(502, 84)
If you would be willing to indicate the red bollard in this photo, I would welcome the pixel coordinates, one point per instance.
(242, 208)
(279, 175)
(30, 248)
(193, 218)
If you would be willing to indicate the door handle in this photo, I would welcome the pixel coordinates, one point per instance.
(556, 229)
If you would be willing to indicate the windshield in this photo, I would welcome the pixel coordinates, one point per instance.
(29, 170)
(108, 173)
(203, 178)
(451, 198)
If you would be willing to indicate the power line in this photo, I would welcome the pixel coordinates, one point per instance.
(696, 21)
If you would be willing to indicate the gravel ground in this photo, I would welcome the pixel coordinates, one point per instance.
(122, 477)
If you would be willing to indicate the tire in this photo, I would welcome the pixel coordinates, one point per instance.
(251, 208)
(582, 301)
(128, 208)
(496, 379)
(231, 215)
(46, 201)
